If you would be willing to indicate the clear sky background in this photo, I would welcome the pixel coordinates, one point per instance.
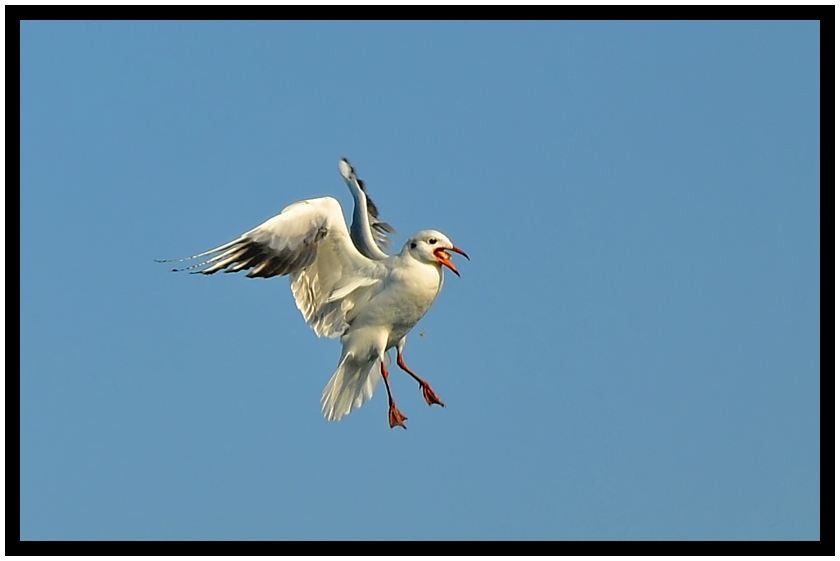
(632, 353)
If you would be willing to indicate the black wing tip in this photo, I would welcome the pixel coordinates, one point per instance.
(349, 165)
(384, 227)
(201, 272)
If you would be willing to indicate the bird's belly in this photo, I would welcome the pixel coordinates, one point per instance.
(395, 313)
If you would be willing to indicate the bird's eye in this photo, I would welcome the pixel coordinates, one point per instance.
(433, 241)
(413, 245)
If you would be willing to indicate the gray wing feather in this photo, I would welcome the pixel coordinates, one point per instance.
(380, 229)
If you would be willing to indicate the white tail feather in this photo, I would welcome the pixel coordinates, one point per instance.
(353, 383)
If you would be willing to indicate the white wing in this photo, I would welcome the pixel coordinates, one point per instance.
(365, 215)
(309, 242)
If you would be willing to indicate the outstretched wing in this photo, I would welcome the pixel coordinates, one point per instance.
(380, 229)
(309, 242)
(366, 217)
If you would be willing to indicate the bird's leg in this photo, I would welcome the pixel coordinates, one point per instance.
(428, 393)
(395, 417)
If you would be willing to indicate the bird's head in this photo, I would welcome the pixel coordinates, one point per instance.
(431, 246)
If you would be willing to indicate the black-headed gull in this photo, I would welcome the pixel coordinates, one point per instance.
(346, 286)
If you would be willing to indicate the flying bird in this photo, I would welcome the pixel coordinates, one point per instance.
(346, 286)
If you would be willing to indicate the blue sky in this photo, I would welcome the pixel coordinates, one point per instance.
(631, 353)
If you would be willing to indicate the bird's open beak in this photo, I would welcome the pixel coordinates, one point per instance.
(444, 258)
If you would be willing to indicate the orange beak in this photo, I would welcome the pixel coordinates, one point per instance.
(444, 257)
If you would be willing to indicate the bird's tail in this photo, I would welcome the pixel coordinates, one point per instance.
(353, 383)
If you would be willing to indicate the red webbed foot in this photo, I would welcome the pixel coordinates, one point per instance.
(395, 416)
(430, 396)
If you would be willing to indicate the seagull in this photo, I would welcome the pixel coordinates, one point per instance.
(346, 286)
